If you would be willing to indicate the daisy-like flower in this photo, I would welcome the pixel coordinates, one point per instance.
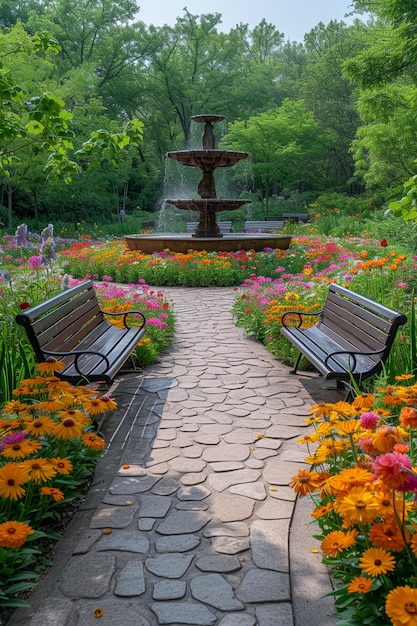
(337, 541)
(385, 437)
(74, 414)
(401, 606)
(62, 466)
(96, 406)
(41, 426)
(39, 470)
(359, 506)
(305, 482)
(387, 535)
(20, 449)
(50, 406)
(376, 561)
(53, 492)
(68, 429)
(348, 427)
(14, 406)
(93, 441)
(323, 510)
(364, 401)
(360, 584)
(13, 534)
(50, 365)
(12, 477)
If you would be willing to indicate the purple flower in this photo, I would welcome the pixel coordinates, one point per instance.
(369, 420)
(13, 438)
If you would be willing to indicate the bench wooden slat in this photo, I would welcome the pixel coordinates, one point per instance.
(348, 322)
(72, 323)
(263, 225)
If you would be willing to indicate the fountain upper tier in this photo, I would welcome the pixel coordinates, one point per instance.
(208, 160)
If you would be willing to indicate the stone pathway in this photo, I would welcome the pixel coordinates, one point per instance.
(190, 515)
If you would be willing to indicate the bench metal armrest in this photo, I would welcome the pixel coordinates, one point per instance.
(352, 355)
(300, 315)
(125, 315)
(79, 353)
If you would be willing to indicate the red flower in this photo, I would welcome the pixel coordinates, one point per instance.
(24, 305)
(383, 242)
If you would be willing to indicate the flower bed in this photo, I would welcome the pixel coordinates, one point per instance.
(363, 481)
(48, 449)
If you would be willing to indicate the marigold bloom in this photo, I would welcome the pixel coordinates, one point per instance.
(323, 510)
(408, 417)
(305, 482)
(385, 437)
(360, 584)
(93, 441)
(12, 477)
(376, 561)
(55, 493)
(13, 534)
(401, 606)
(68, 429)
(41, 426)
(39, 470)
(387, 535)
(359, 506)
(62, 466)
(337, 541)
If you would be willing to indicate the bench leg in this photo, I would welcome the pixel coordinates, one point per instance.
(297, 363)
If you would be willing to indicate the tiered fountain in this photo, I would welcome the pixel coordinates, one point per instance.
(207, 235)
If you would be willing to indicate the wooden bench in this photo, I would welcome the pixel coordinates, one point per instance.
(263, 225)
(351, 339)
(225, 227)
(71, 327)
(296, 217)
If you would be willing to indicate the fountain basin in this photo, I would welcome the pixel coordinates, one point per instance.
(148, 244)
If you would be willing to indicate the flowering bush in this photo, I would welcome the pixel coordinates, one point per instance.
(363, 481)
(47, 450)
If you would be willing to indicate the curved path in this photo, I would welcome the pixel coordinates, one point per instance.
(190, 519)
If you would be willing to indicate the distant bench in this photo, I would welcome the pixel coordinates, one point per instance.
(72, 328)
(225, 227)
(296, 217)
(263, 225)
(352, 338)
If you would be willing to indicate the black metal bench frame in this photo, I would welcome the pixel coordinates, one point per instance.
(73, 328)
(351, 340)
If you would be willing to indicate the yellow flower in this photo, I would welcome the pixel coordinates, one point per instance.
(359, 506)
(401, 606)
(348, 427)
(42, 425)
(14, 406)
(364, 401)
(20, 449)
(50, 366)
(13, 534)
(337, 541)
(95, 406)
(376, 561)
(93, 441)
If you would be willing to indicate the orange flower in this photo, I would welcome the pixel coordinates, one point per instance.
(62, 466)
(50, 406)
(14, 406)
(12, 477)
(360, 584)
(13, 534)
(387, 535)
(359, 506)
(385, 437)
(96, 406)
(68, 429)
(364, 401)
(337, 541)
(323, 510)
(42, 425)
(20, 449)
(305, 482)
(408, 417)
(56, 494)
(39, 470)
(376, 561)
(93, 441)
(401, 606)
(50, 365)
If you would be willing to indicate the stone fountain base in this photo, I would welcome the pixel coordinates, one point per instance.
(227, 243)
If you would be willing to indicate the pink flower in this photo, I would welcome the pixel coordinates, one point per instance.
(395, 471)
(35, 262)
(369, 420)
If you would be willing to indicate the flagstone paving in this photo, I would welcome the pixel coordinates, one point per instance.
(190, 519)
